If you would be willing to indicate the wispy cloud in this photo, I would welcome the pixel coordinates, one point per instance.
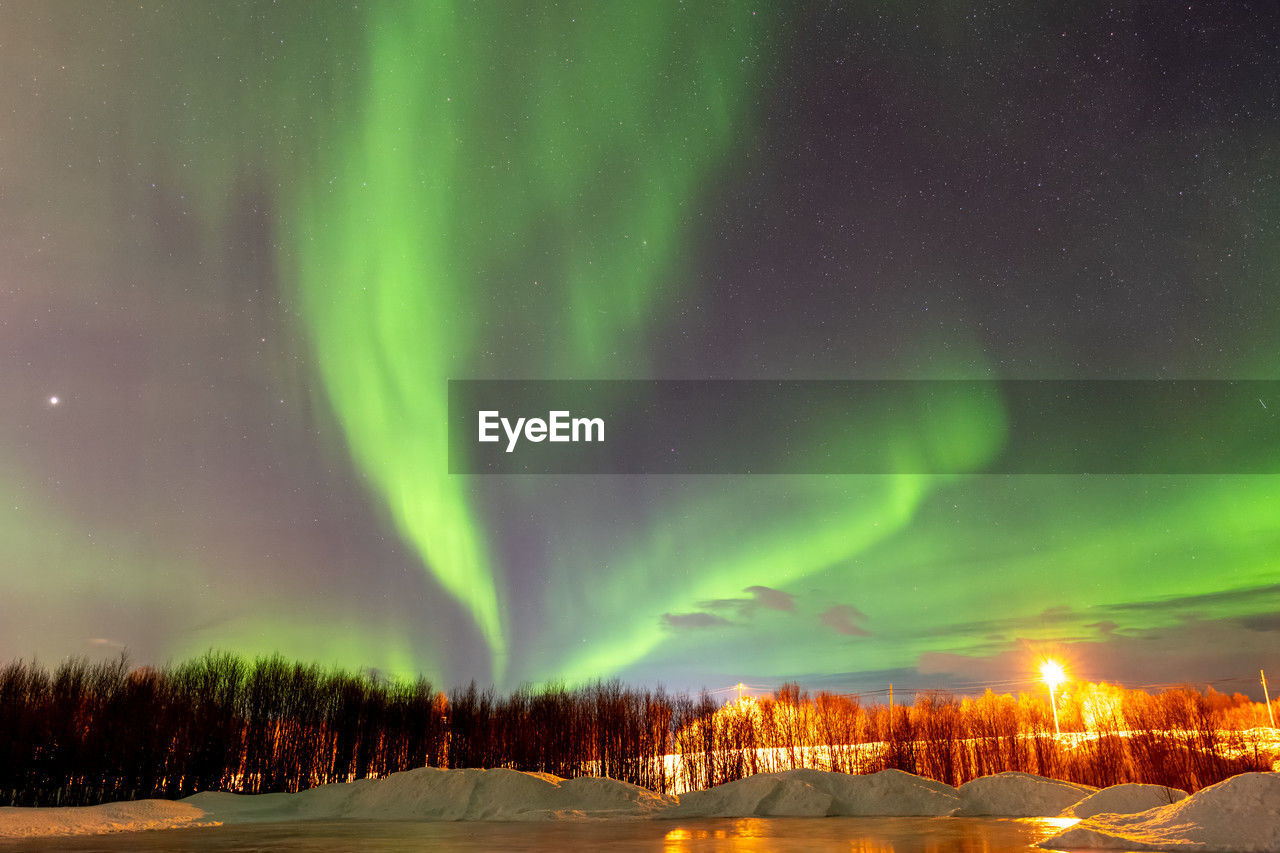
(844, 619)
(774, 599)
(738, 610)
(693, 621)
(1219, 651)
(761, 596)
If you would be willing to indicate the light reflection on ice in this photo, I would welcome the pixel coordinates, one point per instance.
(862, 835)
(1051, 824)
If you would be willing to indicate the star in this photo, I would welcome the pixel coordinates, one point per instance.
(53, 401)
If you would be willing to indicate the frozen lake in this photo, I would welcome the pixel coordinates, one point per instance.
(853, 835)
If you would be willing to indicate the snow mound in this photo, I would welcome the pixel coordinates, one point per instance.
(1013, 794)
(429, 793)
(94, 820)
(1129, 798)
(432, 794)
(764, 794)
(423, 794)
(1240, 814)
(817, 793)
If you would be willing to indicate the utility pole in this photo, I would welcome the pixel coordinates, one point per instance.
(1052, 674)
(1054, 702)
(1265, 695)
(740, 686)
(891, 709)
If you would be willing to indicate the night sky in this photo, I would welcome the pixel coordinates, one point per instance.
(243, 246)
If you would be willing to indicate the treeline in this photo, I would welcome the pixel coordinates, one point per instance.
(92, 733)
(1181, 738)
(88, 733)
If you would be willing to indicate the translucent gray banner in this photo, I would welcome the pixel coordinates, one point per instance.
(864, 427)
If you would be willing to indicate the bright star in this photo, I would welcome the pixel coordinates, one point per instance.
(53, 401)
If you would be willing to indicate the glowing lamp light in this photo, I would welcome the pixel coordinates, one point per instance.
(1052, 673)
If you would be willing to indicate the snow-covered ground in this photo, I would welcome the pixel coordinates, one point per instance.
(1013, 794)
(1129, 798)
(1241, 814)
(95, 820)
(817, 793)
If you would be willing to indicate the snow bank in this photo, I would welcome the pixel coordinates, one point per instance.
(432, 794)
(1240, 814)
(1012, 794)
(1130, 798)
(423, 794)
(817, 793)
(94, 820)
(429, 793)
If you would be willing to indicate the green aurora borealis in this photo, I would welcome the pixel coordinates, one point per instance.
(249, 244)
(481, 135)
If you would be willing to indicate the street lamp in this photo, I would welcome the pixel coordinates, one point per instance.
(1052, 674)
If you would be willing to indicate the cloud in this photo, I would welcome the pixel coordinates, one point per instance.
(1251, 595)
(774, 599)
(1117, 620)
(761, 596)
(693, 621)
(843, 619)
(1265, 622)
(738, 609)
(1194, 651)
(1080, 625)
